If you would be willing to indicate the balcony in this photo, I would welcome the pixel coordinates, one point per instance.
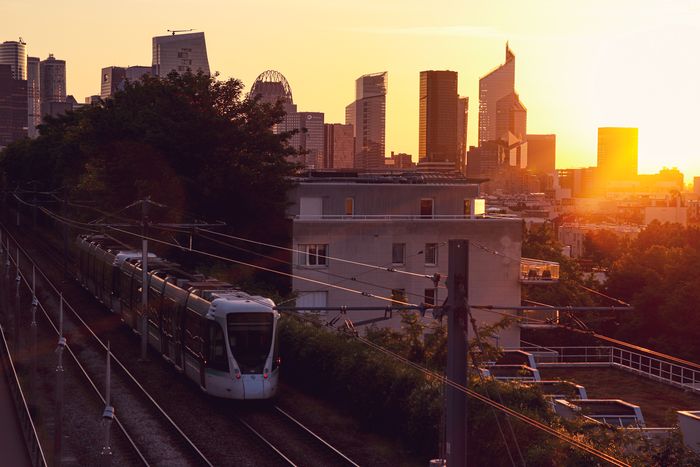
(537, 271)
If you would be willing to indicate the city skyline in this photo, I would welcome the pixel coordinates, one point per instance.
(578, 69)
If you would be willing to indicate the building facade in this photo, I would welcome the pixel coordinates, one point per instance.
(113, 78)
(462, 127)
(180, 53)
(438, 135)
(52, 73)
(13, 107)
(493, 87)
(339, 146)
(541, 153)
(33, 96)
(617, 153)
(367, 114)
(14, 53)
(403, 226)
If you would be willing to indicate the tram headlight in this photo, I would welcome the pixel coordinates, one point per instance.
(237, 373)
(265, 373)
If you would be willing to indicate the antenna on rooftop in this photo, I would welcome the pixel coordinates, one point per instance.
(173, 31)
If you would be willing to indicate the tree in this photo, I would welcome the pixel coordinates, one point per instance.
(191, 142)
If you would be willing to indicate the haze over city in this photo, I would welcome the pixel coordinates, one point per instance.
(579, 66)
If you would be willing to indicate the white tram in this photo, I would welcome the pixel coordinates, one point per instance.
(220, 337)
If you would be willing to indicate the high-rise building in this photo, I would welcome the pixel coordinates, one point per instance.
(113, 78)
(541, 153)
(511, 118)
(13, 106)
(367, 115)
(438, 136)
(462, 125)
(14, 53)
(271, 86)
(52, 73)
(339, 146)
(180, 53)
(33, 96)
(617, 153)
(498, 84)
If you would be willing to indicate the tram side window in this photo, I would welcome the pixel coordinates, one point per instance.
(217, 348)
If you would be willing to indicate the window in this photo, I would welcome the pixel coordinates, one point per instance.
(431, 254)
(217, 358)
(398, 253)
(426, 208)
(313, 254)
(429, 298)
(467, 208)
(349, 206)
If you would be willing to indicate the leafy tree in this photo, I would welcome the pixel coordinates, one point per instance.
(604, 247)
(189, 141)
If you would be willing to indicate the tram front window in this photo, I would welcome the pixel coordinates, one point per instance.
(250, 337)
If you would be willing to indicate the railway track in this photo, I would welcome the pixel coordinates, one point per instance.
(276, 431)
(173, 446)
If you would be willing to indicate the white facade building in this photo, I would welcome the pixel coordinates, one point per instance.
(402, 223)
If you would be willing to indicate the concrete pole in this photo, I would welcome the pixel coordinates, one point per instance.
(58, 422)
(144, 279)
(457, 290)
(107, 416)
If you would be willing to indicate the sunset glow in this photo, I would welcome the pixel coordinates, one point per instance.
(580, 66)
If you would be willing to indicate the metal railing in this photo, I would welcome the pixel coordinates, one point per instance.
(31, 439)
(351, 217)
(652, 367)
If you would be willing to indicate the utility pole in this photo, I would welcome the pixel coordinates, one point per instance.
(58, 420)
(107, 416)
(457, 296)
(144, 278)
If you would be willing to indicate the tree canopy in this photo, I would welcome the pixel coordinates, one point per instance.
(189, 141)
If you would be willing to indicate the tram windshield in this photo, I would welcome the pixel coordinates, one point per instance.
(250, 337)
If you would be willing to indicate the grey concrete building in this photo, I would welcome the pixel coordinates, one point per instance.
(402, 223)
(180, 52)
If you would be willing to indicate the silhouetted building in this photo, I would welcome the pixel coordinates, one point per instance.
(180, 53)
(462, 126)
(400, 161)
(52, 73)
(484, 161)
(13, 107)
(437, 118)
(579, 183)
(617, 153)
(33, 96)
(511, 118)
(367, 114)
(493, 87)
(339, 146)
(115, 77)
(92, 100)
(272, 87)
(541, 153)
(14, 53)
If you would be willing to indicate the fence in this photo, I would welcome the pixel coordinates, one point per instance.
(686, 376)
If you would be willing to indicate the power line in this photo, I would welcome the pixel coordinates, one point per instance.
(507, 410)
(357, 263)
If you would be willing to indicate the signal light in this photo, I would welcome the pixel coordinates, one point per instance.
(237, 373)
(265, 372)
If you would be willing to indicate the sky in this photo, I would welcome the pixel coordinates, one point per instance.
(579, 65)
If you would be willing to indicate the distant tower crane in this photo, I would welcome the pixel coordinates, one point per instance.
(179, 30)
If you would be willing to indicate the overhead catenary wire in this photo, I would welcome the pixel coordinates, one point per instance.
(342, 260)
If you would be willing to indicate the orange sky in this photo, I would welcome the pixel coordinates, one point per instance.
(580, 65)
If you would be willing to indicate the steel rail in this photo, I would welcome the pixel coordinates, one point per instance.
(129, 375)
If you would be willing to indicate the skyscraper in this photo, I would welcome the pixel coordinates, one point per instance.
(498, 84)
(617, 153)
(438, 137)
(52, 73)
(33, 96)
(367, 115)
(13, 106)
(462, 126)
(14, 53)
(339, 146)
(113, 78)
(180, 53)
(541, 153)
(271, 86)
